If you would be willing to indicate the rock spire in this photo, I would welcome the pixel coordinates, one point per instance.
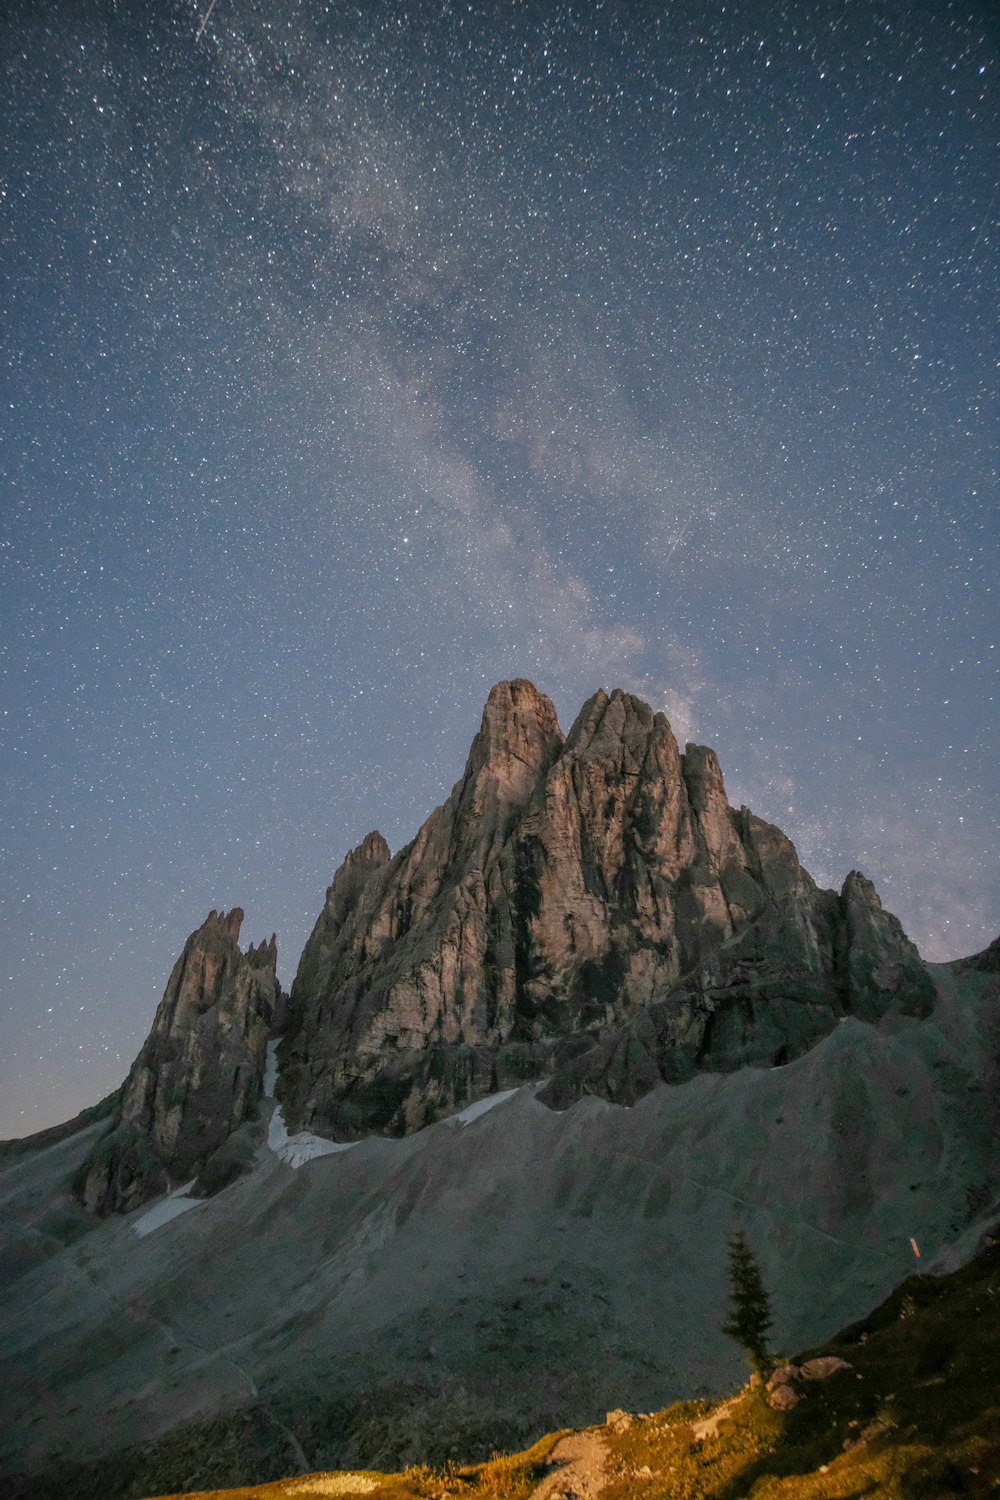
(198, 1075)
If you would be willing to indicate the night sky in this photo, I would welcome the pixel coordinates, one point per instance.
(358, 356)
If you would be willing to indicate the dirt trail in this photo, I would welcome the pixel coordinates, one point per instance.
(579, 1470)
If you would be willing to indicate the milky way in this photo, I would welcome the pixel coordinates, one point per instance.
(360, 356)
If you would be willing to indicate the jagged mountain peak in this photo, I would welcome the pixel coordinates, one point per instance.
(575, 900)
(358, 864)
(585, 911)
(229, 922)
(199, 1073)
(519, 736)
(373, 847)
(607, 719)
(518, 697)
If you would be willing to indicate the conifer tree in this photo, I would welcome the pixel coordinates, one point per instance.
(750, 1307)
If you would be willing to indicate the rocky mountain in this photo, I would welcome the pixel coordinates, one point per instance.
(533, 1071)
(586, 909)
(198, 1076)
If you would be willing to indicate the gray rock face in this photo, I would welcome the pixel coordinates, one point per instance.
(589, 910)
(198, 1075)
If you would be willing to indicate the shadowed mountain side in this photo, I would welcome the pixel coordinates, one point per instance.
(105, 1109)
(402, 1296)
(589, 909)
(756, 1002)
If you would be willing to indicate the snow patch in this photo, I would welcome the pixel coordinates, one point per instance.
(271, 1070)
(167, 1208)
(473, 1111)
(297, 1149)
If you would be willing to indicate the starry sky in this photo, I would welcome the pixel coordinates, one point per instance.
(357, 356)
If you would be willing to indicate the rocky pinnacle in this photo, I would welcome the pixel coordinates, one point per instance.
(198, 1075)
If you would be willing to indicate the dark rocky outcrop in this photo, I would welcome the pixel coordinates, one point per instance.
(590, 910)
(763, 997)
(198, 1076)
(987, 962)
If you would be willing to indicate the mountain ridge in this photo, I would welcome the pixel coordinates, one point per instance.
(566, 886)
(712, 1042)
(585, 910)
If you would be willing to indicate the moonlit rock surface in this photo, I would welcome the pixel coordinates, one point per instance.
(587, 909)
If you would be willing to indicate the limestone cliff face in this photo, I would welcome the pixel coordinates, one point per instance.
(409, 974)
(199, 1072)
(588, 910)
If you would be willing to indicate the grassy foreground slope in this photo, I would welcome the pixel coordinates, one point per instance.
(915, 1417)
(512, 1477)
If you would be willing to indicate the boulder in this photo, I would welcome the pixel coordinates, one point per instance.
(783, 1375)
(823, 1367)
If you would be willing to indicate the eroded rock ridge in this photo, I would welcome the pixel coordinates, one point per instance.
(587, 909)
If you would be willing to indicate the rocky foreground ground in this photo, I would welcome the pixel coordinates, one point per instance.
(905, 1405)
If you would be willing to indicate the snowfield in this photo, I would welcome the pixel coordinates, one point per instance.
(165, 1209)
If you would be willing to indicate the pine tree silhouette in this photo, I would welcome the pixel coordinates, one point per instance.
(750, 1307)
